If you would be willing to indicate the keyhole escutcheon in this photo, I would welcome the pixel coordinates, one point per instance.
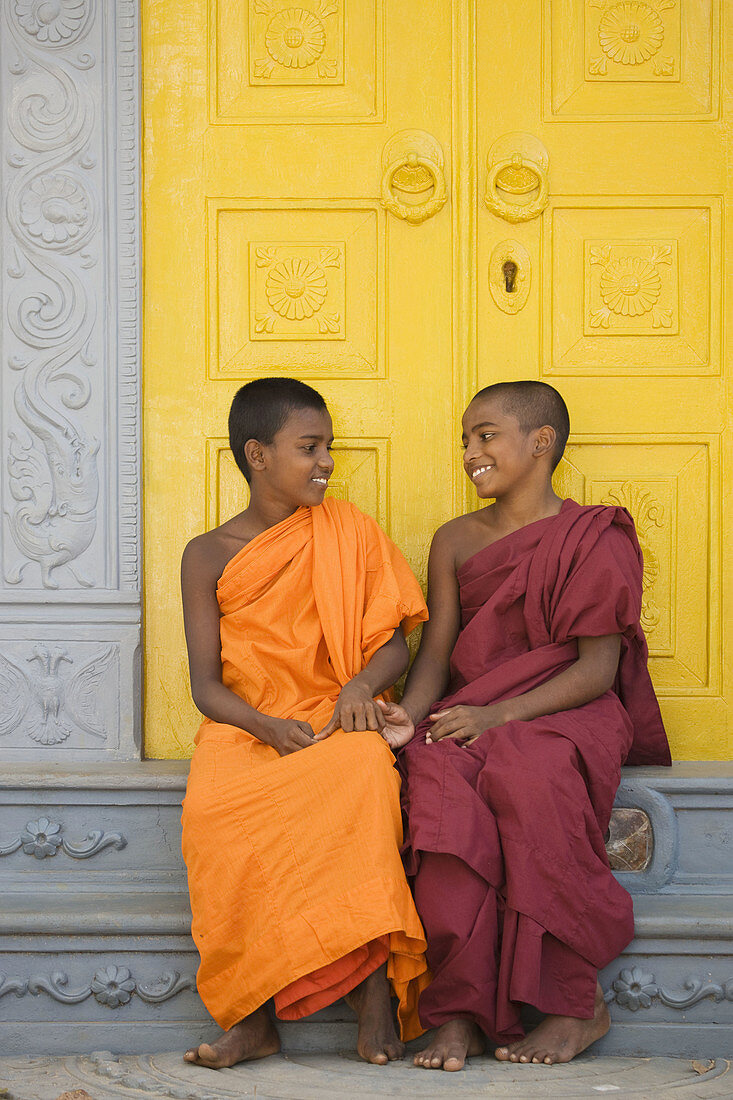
(510, 274)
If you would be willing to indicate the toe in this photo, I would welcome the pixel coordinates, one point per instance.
(502, 1053)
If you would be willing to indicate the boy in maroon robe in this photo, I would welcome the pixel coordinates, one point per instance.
(535, 650)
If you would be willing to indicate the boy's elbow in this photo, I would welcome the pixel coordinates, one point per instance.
(201, 695)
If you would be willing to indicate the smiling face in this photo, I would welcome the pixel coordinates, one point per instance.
(498, 456)
(295, 468)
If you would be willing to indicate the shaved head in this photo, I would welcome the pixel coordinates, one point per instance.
(532, 404)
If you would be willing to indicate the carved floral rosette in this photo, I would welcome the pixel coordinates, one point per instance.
(54, 293)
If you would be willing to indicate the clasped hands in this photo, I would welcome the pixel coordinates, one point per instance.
(356, 709)
(460, 723)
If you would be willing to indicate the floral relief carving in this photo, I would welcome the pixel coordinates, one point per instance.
(111, 986)
(44, 838)
(630, 33)
(636, 988)
(649, 516)
(52, 22)
(296, 288)
(57, 698)
(293, 283)
(296, 39)
(55, 209)
(51, 463)
(629, 284)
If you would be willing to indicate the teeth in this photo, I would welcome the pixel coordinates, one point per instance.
(320, 480)
(480, 470)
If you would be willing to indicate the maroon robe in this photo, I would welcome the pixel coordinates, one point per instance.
(505, 837)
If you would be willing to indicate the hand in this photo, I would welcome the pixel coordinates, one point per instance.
(355, 709)
(398, 727)
(464, 723)
(286, 734)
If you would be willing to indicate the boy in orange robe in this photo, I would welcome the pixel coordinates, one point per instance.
(295, 613)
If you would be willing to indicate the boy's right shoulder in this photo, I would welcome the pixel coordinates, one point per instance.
(208, 553)
(454, 530)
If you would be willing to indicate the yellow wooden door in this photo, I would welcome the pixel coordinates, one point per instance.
(290, 155)
(297, 222)
(606, 117)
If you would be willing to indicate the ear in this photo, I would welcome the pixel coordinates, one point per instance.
(255, 455)
(544, 440)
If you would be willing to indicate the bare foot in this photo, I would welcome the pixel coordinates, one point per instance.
(377, 1041)
(253, 1037)
(559, 1038)
(453, 1043)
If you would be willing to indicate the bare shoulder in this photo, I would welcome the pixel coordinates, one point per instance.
(206, 555)
(461, 537)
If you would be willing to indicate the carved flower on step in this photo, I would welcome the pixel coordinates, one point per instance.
(51, 21)
(113, 986)
(630, 286)
(54, 209)
(296, 288)
(635, 989)
(41, 838)
(630, 33)
(295, 38)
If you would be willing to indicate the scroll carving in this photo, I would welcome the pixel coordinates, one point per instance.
(43, 838)
(649, 516)
(111, 986)
(635, 988)
(52, 460)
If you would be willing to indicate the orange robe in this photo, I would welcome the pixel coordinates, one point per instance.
(297, 887)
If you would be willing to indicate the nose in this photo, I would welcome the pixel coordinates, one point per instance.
(325, 461)
(470, 452)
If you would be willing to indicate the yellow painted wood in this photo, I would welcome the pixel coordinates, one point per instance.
(269, 129)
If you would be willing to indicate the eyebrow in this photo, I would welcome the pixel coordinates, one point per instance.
(316, 437)
(483, 424)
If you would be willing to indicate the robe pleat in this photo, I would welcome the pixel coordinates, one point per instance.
(296, 883)
(506, 835)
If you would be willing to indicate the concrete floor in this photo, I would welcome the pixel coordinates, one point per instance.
(293, 1076)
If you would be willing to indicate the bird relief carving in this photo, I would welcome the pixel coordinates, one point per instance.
(57, 700)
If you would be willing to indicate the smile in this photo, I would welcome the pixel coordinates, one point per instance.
(479, 471)
(320, 480)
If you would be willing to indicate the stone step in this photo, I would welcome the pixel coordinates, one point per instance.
(95, 920)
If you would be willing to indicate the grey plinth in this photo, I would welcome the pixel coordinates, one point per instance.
(96, 951)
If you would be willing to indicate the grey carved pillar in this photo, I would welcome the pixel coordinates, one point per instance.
(70, 427)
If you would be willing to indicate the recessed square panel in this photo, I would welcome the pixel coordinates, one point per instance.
(278, 61)
(361, 475)
(632, 287)
(631, 59)
(295, 291)
(665, 484)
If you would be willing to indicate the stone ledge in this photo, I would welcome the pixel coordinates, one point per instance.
(714, 777)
